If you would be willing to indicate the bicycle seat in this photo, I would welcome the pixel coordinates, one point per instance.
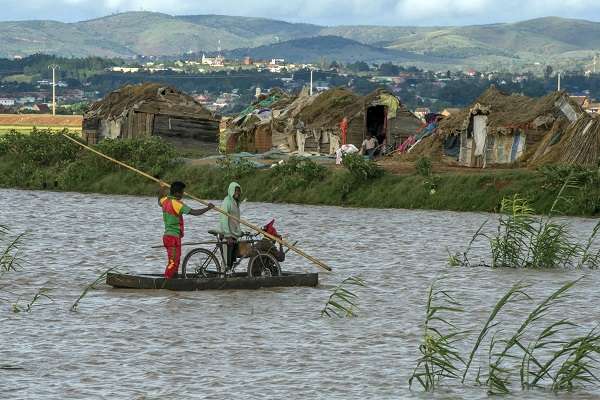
(214, 232)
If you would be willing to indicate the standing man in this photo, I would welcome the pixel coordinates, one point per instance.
(229, 227)
(173, 210)
(344, 129)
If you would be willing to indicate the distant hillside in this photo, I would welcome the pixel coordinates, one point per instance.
(544, 40)
(259, 30)
(307, 50)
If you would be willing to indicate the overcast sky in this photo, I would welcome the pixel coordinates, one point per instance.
(325, 12)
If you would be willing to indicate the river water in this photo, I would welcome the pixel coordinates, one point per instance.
(245, 344)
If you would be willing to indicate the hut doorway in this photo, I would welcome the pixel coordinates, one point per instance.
(376, 122)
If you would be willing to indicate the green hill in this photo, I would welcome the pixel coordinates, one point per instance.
(543, 40)
(259, 31)
(331, 48)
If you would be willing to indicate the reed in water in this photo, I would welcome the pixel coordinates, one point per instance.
(541, 353)
(526, 240)
(343, 302)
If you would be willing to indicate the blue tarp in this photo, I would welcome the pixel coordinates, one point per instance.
(452, 146)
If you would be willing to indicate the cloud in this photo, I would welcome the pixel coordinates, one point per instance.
(331, 12)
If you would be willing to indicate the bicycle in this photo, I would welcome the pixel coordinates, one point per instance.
(201, 262)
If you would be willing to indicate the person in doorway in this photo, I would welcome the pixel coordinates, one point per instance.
(230, 227)
(344, 129)
(369, 146)
(173, 211)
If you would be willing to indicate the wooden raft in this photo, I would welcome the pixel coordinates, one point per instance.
(237, 281)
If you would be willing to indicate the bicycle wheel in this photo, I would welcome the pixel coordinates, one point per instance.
(263, 264)
(200, 263)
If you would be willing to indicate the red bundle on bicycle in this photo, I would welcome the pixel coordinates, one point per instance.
(270, 229)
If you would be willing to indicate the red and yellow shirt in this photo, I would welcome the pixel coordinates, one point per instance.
(173, 211)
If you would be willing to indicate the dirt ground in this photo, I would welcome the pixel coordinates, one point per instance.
(401, 167)
(393, 165)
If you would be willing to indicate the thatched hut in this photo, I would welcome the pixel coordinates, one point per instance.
(578, 144)
(312, 123)
(149, 109)
(501, 129)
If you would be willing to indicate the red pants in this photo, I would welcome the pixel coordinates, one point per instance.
(173, 246)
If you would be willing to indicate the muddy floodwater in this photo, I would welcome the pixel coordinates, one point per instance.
(127, 344)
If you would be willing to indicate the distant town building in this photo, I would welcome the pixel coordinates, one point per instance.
(247, 61)
(73, 95)
(7, 102)
(217, 61)
(421, 112)
(125, 70)
(321, 86)
(40, 108)
(25, 100)
(275, 68)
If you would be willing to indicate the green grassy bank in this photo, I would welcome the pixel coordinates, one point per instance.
(47, 161)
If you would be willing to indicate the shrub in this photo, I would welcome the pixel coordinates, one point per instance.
(40, 147)
(234, 169)
(423, 166)
(361, 168)
(586, 181)
(300, 167)
(152, 155)
(555, 175)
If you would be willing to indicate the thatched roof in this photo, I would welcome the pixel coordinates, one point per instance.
(151, 98)
(329, 107)
(579, 144)
(506, 112)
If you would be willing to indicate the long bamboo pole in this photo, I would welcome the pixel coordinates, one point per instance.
(220, 210)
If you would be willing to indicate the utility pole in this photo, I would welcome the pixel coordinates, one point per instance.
(54, 67)
(311, 82)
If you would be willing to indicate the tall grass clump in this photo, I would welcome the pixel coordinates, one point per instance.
(423, 167)
(298, 172)
(586, 179)
(541, 353)
(10, 259)
(439, 357)
(526, 240)
(235, 168)
(343, 302)
(361, 168)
